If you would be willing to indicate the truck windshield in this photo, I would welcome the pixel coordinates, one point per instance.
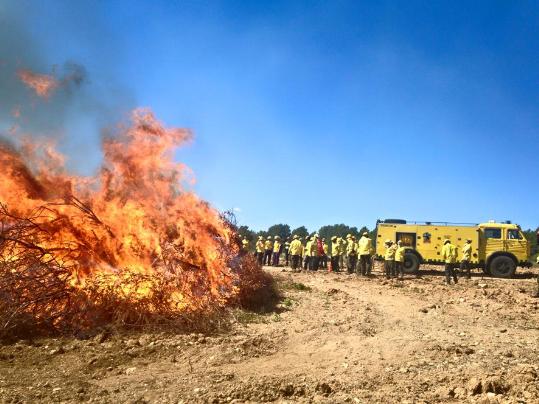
(513, 234)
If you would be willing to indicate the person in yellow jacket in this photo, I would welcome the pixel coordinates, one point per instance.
(259, 248)
(307, 253)
(324, 256)
(287, 251)
(466, 258)
(315, 253)
(268, 250)
(335, 253)
(399, 260)
(295, 251)
(365, 251)
(389, 258)
(449, 255)
(342, 252)
(244, 245)
(351, 253)
(276, 251)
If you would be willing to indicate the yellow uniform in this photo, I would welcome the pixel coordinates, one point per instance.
(399, 254)
(276, 246)
(259, 246)
(467, 252)
(295, 247)
(449, 253)
(365, 246)
(390, 253)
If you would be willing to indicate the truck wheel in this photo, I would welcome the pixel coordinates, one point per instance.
(502, 267)
(411, 263)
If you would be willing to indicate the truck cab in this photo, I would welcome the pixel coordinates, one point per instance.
(502, 247)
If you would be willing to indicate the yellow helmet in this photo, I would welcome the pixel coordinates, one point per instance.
(348, 235)
(295, 236)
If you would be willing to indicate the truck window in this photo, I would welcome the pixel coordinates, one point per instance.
(513, 234)
(493, 233)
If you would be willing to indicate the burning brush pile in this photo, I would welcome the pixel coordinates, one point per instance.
(129, 246)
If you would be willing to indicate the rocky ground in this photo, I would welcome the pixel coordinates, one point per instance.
(333, 338)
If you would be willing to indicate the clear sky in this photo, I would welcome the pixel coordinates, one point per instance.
(316, 112)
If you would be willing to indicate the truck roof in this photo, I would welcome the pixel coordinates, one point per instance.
(506, 225)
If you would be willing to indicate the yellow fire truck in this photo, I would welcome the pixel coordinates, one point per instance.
(498, 248)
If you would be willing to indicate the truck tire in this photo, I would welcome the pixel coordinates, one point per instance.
(502, 266)
(411, 263)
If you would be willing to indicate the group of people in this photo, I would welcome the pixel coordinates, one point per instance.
(355, 256)
(314, 253)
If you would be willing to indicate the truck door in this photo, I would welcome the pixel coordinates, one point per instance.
(516, 243)
(491, 241)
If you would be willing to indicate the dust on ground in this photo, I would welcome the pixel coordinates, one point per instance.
(332, 338)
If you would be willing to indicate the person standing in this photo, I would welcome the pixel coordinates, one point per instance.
(244, 245)
(295, 252)
(399, 260)
(342, 252)
(351, 253)
(466, 258)
(389, 259)
(287, 250)
(324, 255)
(268, 249)
(315, 253)
(449, 255)
(276, 251)
(307, 253)
(335, 253)
(259, 247)
(365, 251)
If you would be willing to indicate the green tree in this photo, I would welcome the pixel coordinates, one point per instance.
(532, 237)
(339, 230)
(301, 232)
(281, 230)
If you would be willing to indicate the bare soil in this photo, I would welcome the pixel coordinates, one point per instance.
(332, 338)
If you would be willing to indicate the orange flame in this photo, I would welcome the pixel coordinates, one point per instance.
(134, 217)
(42, 84)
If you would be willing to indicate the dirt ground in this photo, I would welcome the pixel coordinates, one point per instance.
(333, 338)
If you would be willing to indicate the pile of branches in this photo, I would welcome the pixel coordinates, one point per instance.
(38, 295)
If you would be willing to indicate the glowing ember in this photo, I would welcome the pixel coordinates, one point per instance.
(43, 85)
(132, 235)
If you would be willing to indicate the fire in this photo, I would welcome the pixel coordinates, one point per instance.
(131, 235)
(43, 85)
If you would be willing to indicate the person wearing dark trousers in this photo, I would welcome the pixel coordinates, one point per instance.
(389, 259)
(287, 251)
(351, 253)
(466, 258)
(276, 251)
(259, 248)
(307, 253)
(295, 253)
(365, 251)
(315, 255)
(399, 260)
(335, 254)
(449, 255)
(268, 249)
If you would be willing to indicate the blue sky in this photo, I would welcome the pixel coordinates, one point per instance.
(315, 112)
